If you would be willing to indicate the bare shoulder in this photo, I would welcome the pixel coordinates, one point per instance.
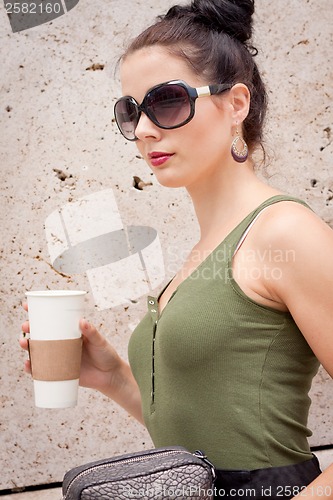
(289, 224)
(305, 282)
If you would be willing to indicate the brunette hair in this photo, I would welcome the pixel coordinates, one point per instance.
(213, 37)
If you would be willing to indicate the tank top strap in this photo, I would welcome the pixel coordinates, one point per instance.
(239, 234)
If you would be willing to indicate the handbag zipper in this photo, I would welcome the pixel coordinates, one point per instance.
(127, 461)
(197, 453)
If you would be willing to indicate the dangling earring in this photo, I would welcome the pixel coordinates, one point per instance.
(239, 155)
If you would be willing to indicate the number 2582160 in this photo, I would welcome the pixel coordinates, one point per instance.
(33, 8)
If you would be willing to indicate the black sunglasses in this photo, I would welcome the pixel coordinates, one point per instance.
(168, 105)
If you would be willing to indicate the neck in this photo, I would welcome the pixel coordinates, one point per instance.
(223, 199)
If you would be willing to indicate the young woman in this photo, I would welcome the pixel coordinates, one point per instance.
(224, 358)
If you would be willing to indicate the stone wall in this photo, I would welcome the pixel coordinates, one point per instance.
(61, 152)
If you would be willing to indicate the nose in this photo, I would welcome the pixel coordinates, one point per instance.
(146, 129)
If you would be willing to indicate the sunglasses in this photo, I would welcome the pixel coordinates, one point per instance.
(168, 105)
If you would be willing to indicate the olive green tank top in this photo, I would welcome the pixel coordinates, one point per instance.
(221, 373)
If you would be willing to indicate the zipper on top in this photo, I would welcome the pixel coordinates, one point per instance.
(153, 309)
(155, 315)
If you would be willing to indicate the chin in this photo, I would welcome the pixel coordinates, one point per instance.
(174, 176)
(170, 181)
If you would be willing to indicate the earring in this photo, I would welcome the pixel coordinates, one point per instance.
(239, 155)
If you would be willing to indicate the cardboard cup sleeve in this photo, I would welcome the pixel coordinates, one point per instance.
(55, 360)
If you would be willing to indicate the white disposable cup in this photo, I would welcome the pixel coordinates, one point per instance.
(55, 315)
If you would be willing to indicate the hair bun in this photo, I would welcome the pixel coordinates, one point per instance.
(233, 17)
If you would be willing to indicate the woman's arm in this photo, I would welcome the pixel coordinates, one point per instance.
(320, 488)
(306, 287)
(306, 280)
(103, 369)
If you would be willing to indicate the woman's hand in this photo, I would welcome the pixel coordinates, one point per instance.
(24, 341)
(100, 361)
(101, 368)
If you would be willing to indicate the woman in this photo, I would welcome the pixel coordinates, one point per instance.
(224, 358)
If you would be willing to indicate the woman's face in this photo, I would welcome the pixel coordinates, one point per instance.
(193, 152)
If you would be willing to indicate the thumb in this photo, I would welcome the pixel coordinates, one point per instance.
(91, 333)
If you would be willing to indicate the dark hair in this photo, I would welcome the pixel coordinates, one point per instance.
(213, 36)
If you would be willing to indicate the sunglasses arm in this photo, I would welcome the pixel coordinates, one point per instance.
(213, 89)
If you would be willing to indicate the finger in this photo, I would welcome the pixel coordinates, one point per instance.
(90, 333)
(27, 366)
(25, 306)
(23, 343)
(25, 327)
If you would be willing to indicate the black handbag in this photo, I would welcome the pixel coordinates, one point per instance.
(168, 473)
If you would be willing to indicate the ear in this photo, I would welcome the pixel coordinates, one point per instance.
(239, 98)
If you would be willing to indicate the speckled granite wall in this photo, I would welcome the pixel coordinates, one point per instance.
(60, 146)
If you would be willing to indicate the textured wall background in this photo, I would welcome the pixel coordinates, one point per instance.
(59, 145)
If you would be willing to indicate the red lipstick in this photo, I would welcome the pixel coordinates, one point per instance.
(158, 158)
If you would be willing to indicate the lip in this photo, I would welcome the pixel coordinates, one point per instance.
(158, 158)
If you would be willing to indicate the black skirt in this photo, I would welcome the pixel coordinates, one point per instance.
(274, 483)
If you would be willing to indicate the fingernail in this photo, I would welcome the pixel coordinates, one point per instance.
(85, 324)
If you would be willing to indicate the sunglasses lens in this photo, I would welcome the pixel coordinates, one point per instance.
(127, 117)
(169, 105)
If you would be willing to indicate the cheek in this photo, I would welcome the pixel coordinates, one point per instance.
(211, 121)
(139, 147)
(206, 136)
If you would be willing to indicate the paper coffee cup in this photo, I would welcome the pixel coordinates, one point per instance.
(55, 346)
